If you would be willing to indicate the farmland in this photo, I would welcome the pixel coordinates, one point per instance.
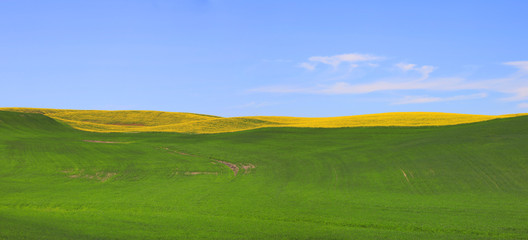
(155, 121)
(136, 178)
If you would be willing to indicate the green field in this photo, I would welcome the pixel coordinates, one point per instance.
(465, 181)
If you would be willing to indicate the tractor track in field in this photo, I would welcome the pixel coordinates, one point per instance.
(247, 167)
(97, 141)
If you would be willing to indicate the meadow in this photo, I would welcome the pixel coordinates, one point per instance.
(459, 181)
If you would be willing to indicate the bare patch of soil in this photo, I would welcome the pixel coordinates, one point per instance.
(247, 168)
(405, 175)
(230, 165)
(99, 176)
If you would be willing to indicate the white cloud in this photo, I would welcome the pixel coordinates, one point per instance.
(423, 70)
(519, 94)
(405, 66)
(514, 86)
(307, 66)
(521, 65)
(523, 105)
(336, 60)
(426, 99)
(416, 99)
(346, 88)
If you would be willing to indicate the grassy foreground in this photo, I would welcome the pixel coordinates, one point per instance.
(465, 181)
(154, 121)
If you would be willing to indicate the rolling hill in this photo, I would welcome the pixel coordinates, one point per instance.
(154, 121)
(465, 181)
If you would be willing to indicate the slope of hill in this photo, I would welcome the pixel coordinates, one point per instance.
(452, 182)
(153, 121)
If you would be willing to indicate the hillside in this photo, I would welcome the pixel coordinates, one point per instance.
(451, 182)
(154, 121)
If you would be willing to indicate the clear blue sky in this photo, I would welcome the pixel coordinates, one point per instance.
(239, 58)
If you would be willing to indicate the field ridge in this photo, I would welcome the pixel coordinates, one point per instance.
(158, 121)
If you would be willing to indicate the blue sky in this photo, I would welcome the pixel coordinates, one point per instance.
(289, 58)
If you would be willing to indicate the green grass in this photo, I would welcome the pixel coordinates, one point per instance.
(463, 182)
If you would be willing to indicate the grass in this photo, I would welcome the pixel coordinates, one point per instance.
(153, 121)
(452, 182)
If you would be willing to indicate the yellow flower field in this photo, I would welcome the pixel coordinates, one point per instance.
(155, 121)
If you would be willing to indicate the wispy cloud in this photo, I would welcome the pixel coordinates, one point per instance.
(337, 60)
(427, 99)
(307, 66)
(519, 94)
(517, 83)
(514, 86)
(346, 88)
(405, 66)
(423, 70)
(521, 65)
(523, 105)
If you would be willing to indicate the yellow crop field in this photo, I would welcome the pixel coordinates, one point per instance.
(156, 121)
